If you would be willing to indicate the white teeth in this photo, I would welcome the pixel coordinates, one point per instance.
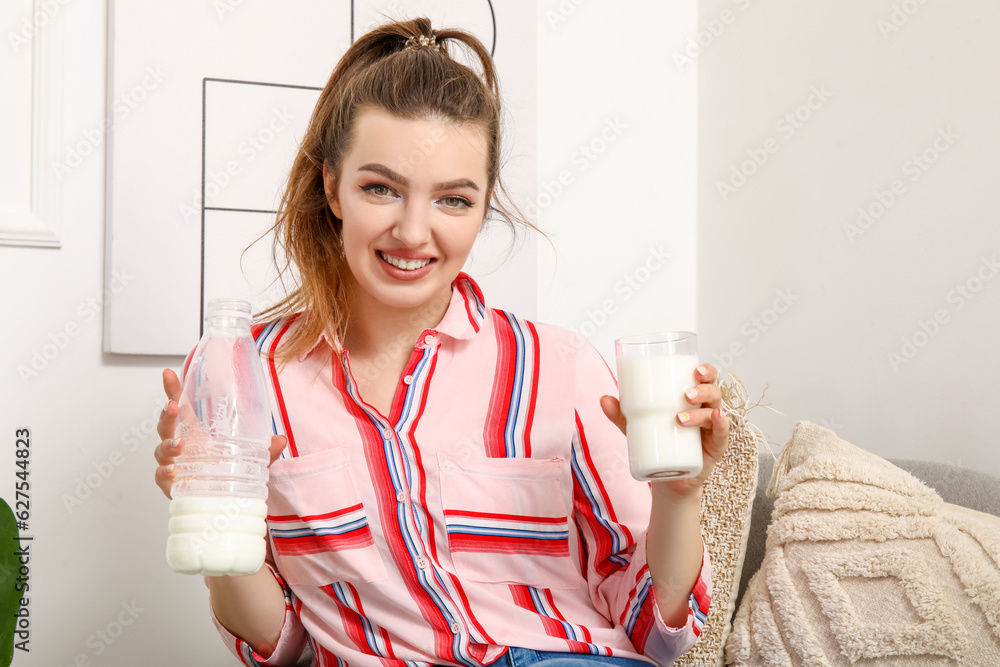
(403, 264)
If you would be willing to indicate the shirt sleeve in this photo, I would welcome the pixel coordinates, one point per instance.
(612, 513)
(291, 642)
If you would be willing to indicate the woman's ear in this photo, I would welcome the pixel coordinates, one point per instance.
(330, 187)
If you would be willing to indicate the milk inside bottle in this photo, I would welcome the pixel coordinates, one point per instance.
(218, 503)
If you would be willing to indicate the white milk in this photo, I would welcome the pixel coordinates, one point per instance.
(652, 393)
(217, 536)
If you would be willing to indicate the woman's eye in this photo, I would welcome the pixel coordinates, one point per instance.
(456, 202)
(377, 189)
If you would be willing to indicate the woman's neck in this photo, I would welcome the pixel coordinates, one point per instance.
(374, 328)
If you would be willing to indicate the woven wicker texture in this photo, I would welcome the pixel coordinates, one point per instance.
(725, 520)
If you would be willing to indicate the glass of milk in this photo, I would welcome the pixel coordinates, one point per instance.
(654, 370)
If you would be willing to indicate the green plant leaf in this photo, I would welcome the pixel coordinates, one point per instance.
(10, 598)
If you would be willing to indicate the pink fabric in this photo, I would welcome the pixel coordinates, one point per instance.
(492, 507)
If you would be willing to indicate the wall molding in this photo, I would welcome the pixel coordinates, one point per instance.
(38, 225)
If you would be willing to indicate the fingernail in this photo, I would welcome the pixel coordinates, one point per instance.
(691, 393)
(169, 468)
(173, 443)
(702, 370)
(684, 416)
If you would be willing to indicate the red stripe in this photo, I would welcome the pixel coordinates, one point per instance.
(412, 437)
(399, 398)
(314, 517)
(354, 626)
(471, 310)
(553, 628)
(508, 545)
(602, 537)
(378, 467)
(576, 645)
(314, 544)
(507, 517)
(534, 390)
(503, 386)
(277, 386)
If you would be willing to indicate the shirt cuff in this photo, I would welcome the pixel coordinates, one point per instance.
(290, 644)
(698, 601)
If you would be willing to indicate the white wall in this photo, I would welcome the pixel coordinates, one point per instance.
(835, 353)
(616, 143)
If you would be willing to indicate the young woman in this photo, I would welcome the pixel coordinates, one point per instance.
(460, 474)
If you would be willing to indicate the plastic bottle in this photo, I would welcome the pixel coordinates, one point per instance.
(218, 507)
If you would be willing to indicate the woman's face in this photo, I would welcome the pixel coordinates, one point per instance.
(412, 197)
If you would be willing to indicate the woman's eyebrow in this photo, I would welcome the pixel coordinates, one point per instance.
(386, 172)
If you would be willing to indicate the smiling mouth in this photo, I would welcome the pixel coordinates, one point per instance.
(404, 264)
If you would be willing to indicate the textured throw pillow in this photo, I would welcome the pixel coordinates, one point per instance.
(725, 524)
(866, 565)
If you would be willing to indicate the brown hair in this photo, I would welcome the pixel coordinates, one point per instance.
(411, 78)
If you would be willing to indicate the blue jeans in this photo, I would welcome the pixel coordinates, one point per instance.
(523, 657)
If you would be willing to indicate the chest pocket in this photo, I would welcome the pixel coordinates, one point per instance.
(507, 521)
(317, 524)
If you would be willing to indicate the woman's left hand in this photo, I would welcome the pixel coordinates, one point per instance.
(705, 413)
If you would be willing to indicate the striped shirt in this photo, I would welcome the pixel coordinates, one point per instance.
(492, 507)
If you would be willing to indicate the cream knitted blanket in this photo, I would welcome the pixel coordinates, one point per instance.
(865, 565)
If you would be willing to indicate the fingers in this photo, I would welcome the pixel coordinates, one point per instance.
(168, 417)
(707, 373)
(613, 411)
(165, 453)
(171, 385)
(278, 443)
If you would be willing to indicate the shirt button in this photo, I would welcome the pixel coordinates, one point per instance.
(428, 339)
(456, 628)
(401, 496)
(387, 433)
(408, 379)
(422, 563)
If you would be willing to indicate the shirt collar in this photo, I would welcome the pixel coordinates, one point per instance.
(462, 320)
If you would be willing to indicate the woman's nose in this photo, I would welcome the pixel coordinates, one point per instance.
(413, 229)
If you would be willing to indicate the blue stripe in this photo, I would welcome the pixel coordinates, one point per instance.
(401, 517)
(640, 601)
(260, 342)
(698, 613)
(581, 480)
(480, 306)
(369, 633)
(568, 629)
(334, 530)
(515, 395)
(506, 532)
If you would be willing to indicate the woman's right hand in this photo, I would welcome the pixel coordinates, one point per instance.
(169, 448)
